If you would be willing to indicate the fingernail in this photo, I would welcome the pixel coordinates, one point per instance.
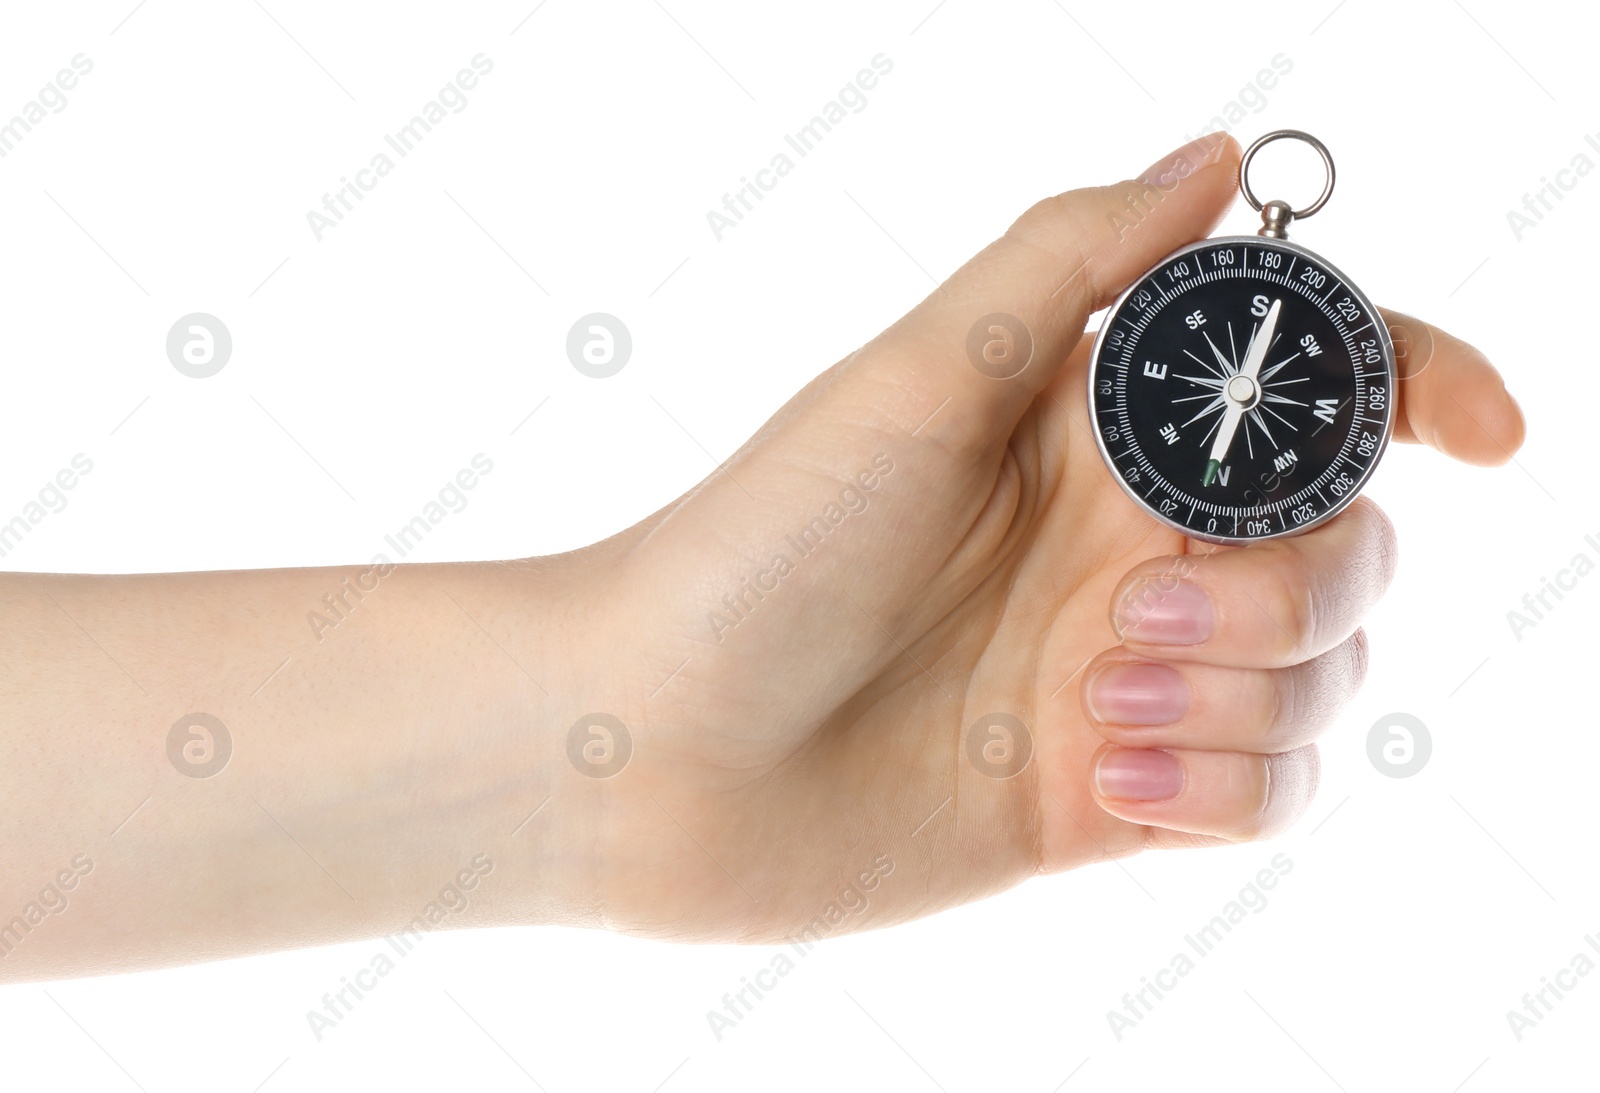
(1138, 774)
(1137, 694)
(1165, 611)
(1180, 163)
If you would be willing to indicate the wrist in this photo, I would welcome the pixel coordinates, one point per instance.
(500, 789)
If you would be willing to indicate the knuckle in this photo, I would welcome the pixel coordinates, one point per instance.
(1298, 774)
(1386, 547)
(1291, 780)
(1292, 603)
(1253, 791)
(1033, 225)
(1324, 686)
(1300, 788)
(1360, 656)
(1061, 229)
(1347, 584)
(1042, 227)
(1287, 711)
(1050, 222)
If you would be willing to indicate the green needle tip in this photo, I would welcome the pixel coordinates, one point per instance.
(1212, 467)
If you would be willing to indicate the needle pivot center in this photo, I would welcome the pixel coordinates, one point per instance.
(1243, 392)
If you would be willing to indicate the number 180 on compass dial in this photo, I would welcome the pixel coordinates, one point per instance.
(1243, 389)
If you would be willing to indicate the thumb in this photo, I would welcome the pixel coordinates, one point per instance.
(789, 509)
(995, 334)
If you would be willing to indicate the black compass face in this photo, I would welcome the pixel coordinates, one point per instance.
(1242, 389)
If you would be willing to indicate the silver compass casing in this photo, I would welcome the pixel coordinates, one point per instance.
(1384, 340)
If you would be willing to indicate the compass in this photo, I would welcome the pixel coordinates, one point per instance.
(1243, 388)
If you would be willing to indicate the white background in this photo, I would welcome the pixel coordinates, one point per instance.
(369, 367)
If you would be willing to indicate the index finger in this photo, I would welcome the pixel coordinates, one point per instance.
(1451, 398)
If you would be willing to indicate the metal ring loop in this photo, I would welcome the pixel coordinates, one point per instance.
(1279, 134)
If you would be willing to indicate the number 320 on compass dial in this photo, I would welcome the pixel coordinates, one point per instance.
(1243, 389)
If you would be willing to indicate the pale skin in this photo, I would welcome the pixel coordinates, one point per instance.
(774, 760)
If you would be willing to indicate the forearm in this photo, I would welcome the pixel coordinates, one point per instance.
(381, 743)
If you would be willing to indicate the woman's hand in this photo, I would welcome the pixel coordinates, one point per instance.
(908, 647)
(831, 654)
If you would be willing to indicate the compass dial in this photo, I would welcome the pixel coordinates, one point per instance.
(1242, 389)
